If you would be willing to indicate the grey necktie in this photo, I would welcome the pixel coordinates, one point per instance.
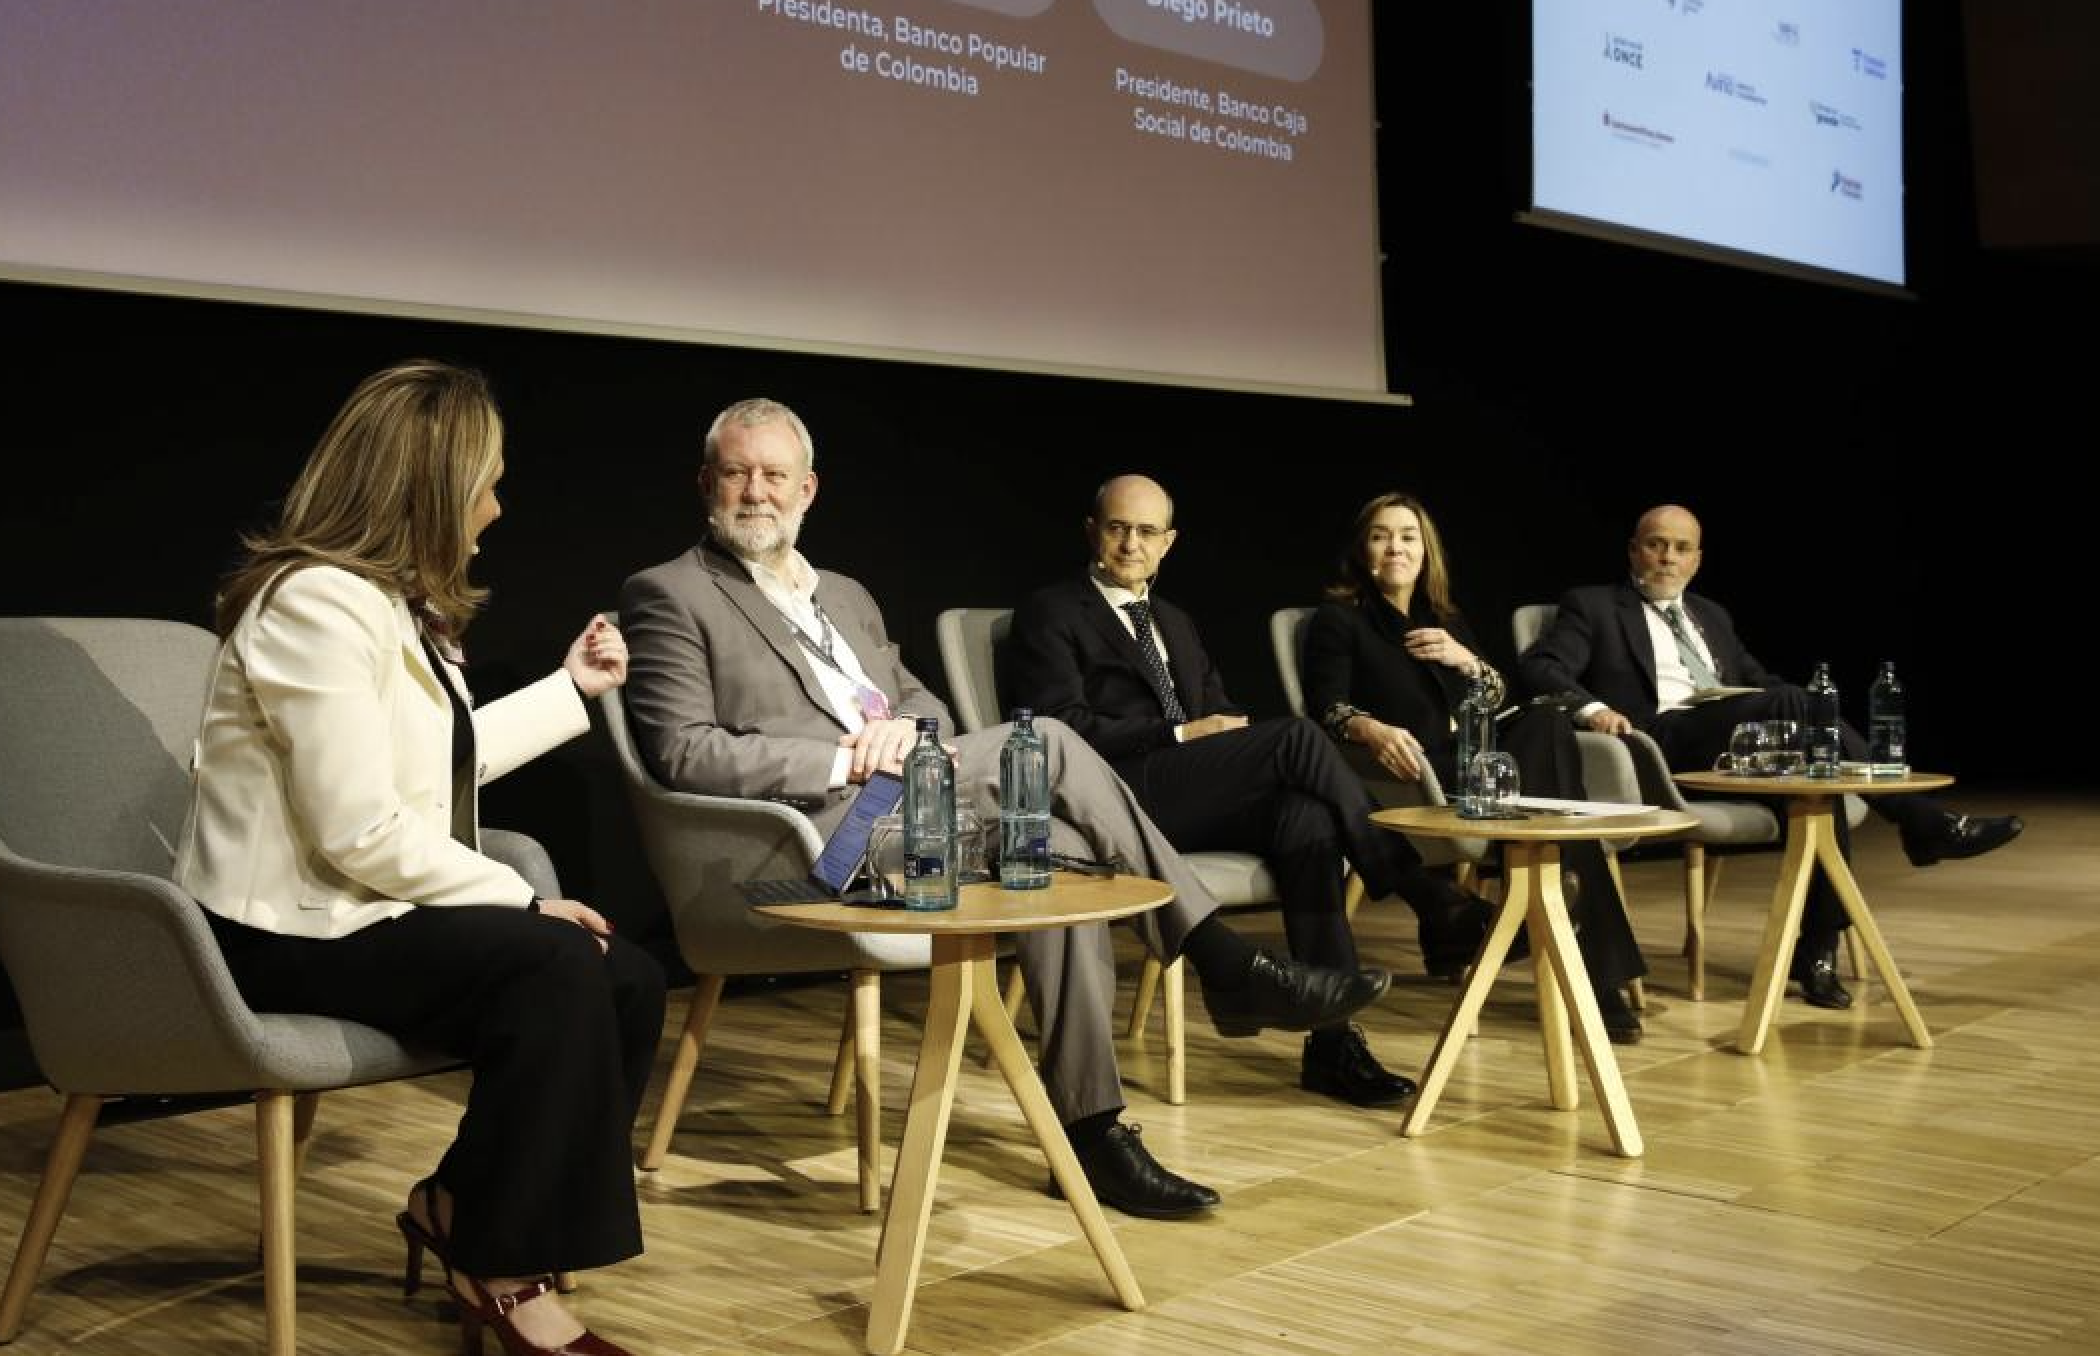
(1155, 666)
(1695, 663)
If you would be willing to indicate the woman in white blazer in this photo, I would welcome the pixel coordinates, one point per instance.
(332, 839)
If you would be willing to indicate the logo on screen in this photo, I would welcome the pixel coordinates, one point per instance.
(1869, 65)
(1635, 132)
(1625, 51)
(1728, 87)
(1787, 34)
(1845, 186)
(1826, 116)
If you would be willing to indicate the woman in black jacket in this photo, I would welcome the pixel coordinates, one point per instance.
(1387, 661)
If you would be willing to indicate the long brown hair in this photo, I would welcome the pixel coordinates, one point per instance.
(386, 494)
(1354, 583)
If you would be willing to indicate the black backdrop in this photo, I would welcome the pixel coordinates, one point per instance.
(1878, 478)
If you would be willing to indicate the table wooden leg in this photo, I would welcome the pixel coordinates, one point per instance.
(1533, 865)
(1867, 931)
(1550, 917)
(918, 1167)
(1465, 1012)
(867, 1084)
(1027, 1089)
(1783, 920)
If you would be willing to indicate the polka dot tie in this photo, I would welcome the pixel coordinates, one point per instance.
(1155, 666)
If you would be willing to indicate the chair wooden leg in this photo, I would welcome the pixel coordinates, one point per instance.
(1466, 875)
(306, 1107)
(867, 1084)
(1856, 952)
(706, 994)
(842, 1065)
(75, 1126)
(1695, 878)
(274, 1136)
(1352, 895)
(1177, 1034)
(1141, 1006)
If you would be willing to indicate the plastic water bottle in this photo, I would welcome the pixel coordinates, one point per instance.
(929, 822)
(1824, 749)
(1024, 807)
(1885, 717)
(1476, 735)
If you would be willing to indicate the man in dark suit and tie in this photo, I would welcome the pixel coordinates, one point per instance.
(752, 673)
(1632, 654)
(1128, 672)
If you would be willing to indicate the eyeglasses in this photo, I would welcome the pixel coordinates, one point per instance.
(1144, 532)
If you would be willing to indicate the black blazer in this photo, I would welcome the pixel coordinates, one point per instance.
(1357, 653)
(1599, 649)
(1070, 657)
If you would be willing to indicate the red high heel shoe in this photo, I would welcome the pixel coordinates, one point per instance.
(478, 1309)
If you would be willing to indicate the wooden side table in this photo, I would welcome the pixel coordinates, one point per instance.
(1812, 807)
(964, 989)
(1531, 861)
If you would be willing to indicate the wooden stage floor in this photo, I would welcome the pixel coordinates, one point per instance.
(1843, 1194)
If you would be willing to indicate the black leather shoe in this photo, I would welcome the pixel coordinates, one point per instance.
(1124, 1174)
(1291, 996)
(1621, 1023)
(1450, 940)
(1815, 970)
(1961, 836)
(1343, 1066)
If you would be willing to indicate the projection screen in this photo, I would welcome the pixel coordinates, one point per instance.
(1177, 190)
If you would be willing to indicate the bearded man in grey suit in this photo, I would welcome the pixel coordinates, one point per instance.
(753, 674)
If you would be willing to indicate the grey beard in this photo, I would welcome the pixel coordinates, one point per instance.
(759, 539)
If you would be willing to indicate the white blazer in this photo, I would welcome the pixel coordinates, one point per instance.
(322, 781)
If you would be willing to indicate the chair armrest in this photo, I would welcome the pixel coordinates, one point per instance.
(181, 1027)
(523, 854)
(1652, 772)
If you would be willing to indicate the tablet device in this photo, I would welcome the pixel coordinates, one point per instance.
(840, 861)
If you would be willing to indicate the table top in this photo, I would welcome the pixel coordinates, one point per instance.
(1803, 785)
(1442, 821)
(1070, 898)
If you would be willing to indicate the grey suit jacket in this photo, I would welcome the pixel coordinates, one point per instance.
(725, 701)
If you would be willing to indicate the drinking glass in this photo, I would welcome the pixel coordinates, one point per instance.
(1785, 751)
(970, 865)
(1746, 747)
(1491, 787)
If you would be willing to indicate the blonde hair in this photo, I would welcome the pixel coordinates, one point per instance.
(1354, 584)
(386, 494)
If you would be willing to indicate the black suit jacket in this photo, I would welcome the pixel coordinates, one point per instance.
(1356, 653)
(1069, 656)
(1599, 649)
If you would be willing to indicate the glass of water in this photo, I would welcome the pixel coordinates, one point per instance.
(1491, 787)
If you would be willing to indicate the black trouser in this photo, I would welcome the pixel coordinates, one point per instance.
(1280, 790)
(1691, 740)
(560, 1040)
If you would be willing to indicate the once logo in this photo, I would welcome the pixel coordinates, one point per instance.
(1625, 51)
